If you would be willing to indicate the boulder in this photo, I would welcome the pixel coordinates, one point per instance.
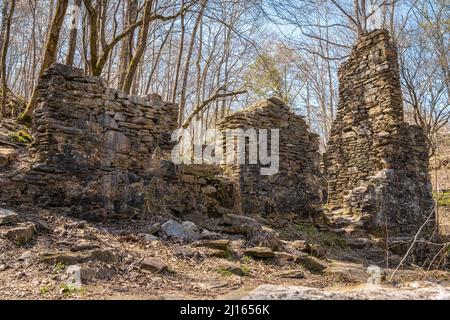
(75, 225)
(367, 292)
(290, 274)
(348, 271)
(231, 267)
(209, 235)
(259, 252)
(284, 256)
(214, 244)
(103, 255)
(8, 216)
(186, 231)
(70, 258)
(211, 284)
(150, 237)
(235, 229)
(153, 265)
(73, 274)
(183, 252)
(154, 228)
(237, 220)
(83, 245)
(190, 227)
(314, 250)
(219, 253)
(298, 245)
(237, 294)
(85, 273)
(26, 256)
(261, 236)
(313, 264)
(22, 234)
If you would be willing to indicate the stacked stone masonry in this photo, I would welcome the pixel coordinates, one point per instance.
(98, 152)
(376, 164)
(294, 189)
(101, 153)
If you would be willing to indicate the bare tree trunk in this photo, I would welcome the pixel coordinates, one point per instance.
(226, 58)
(3, 58)
(187, 64)
(73, 37)
(142, 40)
(158, 57)
(4, 21)
(180, 56)
(126, 50)
(32, 72)
(142, 43)
(308, 107)
(50, 52)
(198, 63)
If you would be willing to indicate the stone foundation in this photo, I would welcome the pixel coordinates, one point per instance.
(376, 164)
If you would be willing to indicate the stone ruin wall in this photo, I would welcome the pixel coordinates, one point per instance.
(376, 164)
(294, 190)
(99, 153)
(102, 153)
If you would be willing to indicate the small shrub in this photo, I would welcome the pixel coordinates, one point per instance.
(70, 289)
(224, 272)
(169, 271)
(44, 290)
(246, 270)
(58, 268)
(324, 239)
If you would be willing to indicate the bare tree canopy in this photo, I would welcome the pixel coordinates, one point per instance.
(187, 51)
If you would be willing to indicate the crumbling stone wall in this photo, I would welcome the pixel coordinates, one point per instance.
(102, 153)
(444, 220)
(81, 125)
(376, 164)
(294, 189)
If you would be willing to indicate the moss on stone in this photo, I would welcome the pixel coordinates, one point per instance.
(323, 238)
(21, 136)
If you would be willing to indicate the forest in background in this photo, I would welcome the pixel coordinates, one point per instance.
(215, 56)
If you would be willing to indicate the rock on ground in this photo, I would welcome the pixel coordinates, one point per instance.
(22, 234)
(69, 258)
(311, 263)
(186, 231)
(8, 216)
(415, 291)
(290, 274)
(153, 265)
(348, 271)
(215, 244)
(233, 268)
(259, 252)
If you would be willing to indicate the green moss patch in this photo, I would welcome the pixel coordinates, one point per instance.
(21, 136)
(443, 199)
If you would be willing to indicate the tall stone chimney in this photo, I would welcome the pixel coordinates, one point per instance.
(376, 163)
